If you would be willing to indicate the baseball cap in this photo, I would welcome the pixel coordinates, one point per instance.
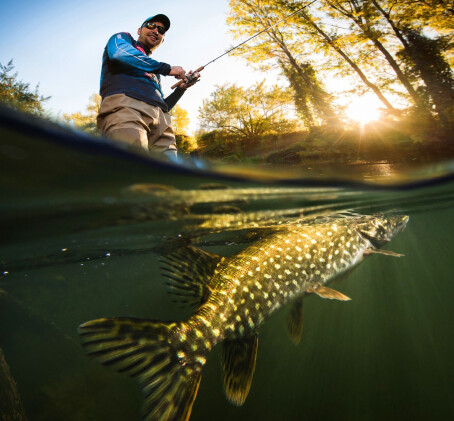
(159, 18)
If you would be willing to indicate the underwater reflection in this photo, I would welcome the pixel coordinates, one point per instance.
(184, 215)
(170, 218)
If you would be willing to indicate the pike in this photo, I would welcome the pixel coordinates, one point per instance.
(189, 78)
(234, 295)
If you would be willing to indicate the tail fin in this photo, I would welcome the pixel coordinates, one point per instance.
(143, 349)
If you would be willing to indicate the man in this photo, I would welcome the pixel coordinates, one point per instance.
(133, 107)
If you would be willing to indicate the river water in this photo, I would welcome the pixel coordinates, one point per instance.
(83, 226)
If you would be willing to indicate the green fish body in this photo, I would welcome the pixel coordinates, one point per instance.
(235, 296)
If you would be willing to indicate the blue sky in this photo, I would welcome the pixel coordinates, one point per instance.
(60, 44)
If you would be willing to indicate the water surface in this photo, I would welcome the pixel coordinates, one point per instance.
(83, 226)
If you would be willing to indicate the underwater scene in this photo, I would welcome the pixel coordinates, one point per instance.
(122, 276)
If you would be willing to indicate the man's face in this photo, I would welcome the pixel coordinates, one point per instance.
(151, 38)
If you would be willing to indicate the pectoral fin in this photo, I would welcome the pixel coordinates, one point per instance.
(238, 363)
(385, 252)
(295, 321)
(328, 293)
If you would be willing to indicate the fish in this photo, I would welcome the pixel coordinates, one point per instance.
(233, 296)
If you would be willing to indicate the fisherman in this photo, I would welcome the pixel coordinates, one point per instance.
(133, 107)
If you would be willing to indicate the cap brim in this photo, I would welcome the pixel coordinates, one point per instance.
(159, 18)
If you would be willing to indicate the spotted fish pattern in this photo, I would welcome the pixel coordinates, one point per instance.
(234, 297)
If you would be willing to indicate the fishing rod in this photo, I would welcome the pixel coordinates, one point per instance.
(190, 77)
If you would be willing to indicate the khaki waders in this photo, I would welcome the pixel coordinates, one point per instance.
(137, 123)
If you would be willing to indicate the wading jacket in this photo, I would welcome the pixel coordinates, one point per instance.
(127, 69)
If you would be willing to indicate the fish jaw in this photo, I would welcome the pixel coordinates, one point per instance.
(379, 230)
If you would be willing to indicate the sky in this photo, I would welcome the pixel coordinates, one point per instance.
(60, 44)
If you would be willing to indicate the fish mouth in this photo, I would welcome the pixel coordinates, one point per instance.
(401, 222)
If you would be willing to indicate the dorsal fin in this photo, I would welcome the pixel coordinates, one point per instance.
(295, 321)
(238, 364)
(189, 271)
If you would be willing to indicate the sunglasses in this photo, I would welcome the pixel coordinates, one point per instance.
(151, 25)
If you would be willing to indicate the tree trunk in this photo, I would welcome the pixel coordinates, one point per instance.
(318, 96)
(375, 89)
(429, 64)
(367, 30)
(392, 24)
(434, 71)
(316, 92)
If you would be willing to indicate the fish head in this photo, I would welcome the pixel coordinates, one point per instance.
(381, 229)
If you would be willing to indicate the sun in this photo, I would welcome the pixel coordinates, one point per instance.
(364, 109)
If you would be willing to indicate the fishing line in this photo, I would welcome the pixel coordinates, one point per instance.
(189, 78)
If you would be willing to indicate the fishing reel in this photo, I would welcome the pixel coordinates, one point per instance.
(192, 79)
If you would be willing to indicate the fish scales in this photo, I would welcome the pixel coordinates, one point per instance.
(250, 286)
(236, 295)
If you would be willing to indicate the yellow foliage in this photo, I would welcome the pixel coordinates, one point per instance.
(180, 120)
(86, 121)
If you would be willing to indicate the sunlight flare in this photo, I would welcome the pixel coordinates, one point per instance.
(364, 109)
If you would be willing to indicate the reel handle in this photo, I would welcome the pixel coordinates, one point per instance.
(181, 81)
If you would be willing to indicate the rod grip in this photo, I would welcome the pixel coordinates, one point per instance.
(181, 81)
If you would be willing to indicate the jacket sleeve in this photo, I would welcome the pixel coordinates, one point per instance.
(173, 98)
(120, 49)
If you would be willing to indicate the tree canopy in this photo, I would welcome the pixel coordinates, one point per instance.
(399, 50)
(234, 119)
(86, 121)
(180, 120)
(180, 123)
(18, 94)
(247, 113)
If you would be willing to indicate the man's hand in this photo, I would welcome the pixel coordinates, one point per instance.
(178, 72)
(190, 79)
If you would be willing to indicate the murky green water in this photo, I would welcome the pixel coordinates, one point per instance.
(81, 235)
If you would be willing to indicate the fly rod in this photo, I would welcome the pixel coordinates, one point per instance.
(189, 78)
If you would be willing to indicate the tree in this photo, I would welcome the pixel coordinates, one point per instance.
(424, 60)
(423, 57)
(384, 42)
(365, 16)
(234, 120)
(247, 114)
(180, 120)
(334, 42)
(293, 47)
(17, 94)
(86, 121)
(185, 144)
(180, 123)
(312, 102)
(278, 45)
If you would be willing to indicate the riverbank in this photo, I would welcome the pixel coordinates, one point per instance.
(385, 142)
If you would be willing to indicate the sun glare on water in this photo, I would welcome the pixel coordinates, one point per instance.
(364, 109)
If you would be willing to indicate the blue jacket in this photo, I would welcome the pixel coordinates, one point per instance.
(127, 69)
